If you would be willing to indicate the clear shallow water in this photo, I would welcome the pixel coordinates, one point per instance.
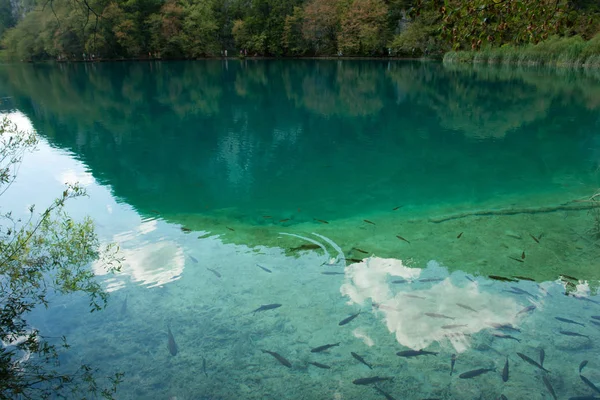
(218, 147)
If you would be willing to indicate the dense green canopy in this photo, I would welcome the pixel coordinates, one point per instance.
(66, 29)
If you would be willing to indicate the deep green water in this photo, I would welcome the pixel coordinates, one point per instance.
(248, 154)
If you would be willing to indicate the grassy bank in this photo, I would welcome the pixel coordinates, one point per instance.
(572, 52)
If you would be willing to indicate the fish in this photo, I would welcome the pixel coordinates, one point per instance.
(401, 238)
(306, 246)
(369, 222)
(266, 307)
(595, 322)
(186, 230)
(217, 273)
(284, 220)
(459, 235)
(348, 319)
(475, 372)
(386, 395)
(589, 383)
(502, 278)
(569, 321)
(204, 366)
(124, 306)
(549, 386)
(332, 273)
(264, 269)
(368, 381)
(585, 298)
(193, 259)
(516, 259)
(502, 336)
(360, 250)
(582, 365)
(279, 358)
(414, 296)
(505, 371)
(596, 317)
(524, 278)
(534, 238)
(569, 333)
(469, 278)
(584, 398)
(542, 356)
(395, 208)
(321, 221)
(172, 346)
(360, 359)
(431, 280)
(356, 260)
(434, 315)
(231, 229)
(319, 365)
(267, 216)
(466, 307)
(324, 347)
(502, 397)
(505, 327)
(416, 353)
(530, 361)
(517, 290)
(569, 277)
(155, 212)
(523, 255)
(527, 309)
(404, 281)
(452, 362)
(453, 326)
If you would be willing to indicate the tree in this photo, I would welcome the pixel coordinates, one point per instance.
(363, 27)
(48, 253)
(321, 24)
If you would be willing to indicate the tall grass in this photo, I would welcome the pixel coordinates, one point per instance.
(572, 52)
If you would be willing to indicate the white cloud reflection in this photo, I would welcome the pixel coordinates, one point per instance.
(404, 306)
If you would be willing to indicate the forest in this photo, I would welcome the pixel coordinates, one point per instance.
(34, 30)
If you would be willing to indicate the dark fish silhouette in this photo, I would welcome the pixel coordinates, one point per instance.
(569, 321)
(475, 372)
(332, 273)
(596, 317)
(231, 229)
(360, 250)
(582, 365)
(360, 359)
(279, 358)
(386, 395)
(466, 307)
(524, 278)
(595, 322)
(549, 386)
(530, 361)
(124, 306)
(584, 398)
(569, 277)
(502, 397)
(414, 296)
(193, 259)
(505, 327)
(319, 365)
(404, 281)
(348, 319)
(266, 307)
(395, 208)
(589, 383)
(155, 212)
(369, 222)
(321, 221)
(431, 280)
(502, 278)
(267, 216)
(263, 268)
(452, 362)
(585, 299)
(204, 366)
(171, 344)
(503, 336)
(569, 333)
(217, 273)
(356, 260)
(542, 356)
(521, 291)
(306, 246)
(284, 220)
(505, 371)
(324, 347)
(516, 259)
(435, 315)
(469, 278)
(453, 326)
(534, 238)
(401, 238)
(368, 381)
(459, 235)
(185, 230)
(527, 309)
(416, 353)
(523, 255)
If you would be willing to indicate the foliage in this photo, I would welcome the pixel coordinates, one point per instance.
(44, 255)
(362, 28)
(419, 38)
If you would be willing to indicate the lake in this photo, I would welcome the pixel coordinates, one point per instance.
(381, 207)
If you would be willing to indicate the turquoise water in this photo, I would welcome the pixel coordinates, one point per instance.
(259, 158)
